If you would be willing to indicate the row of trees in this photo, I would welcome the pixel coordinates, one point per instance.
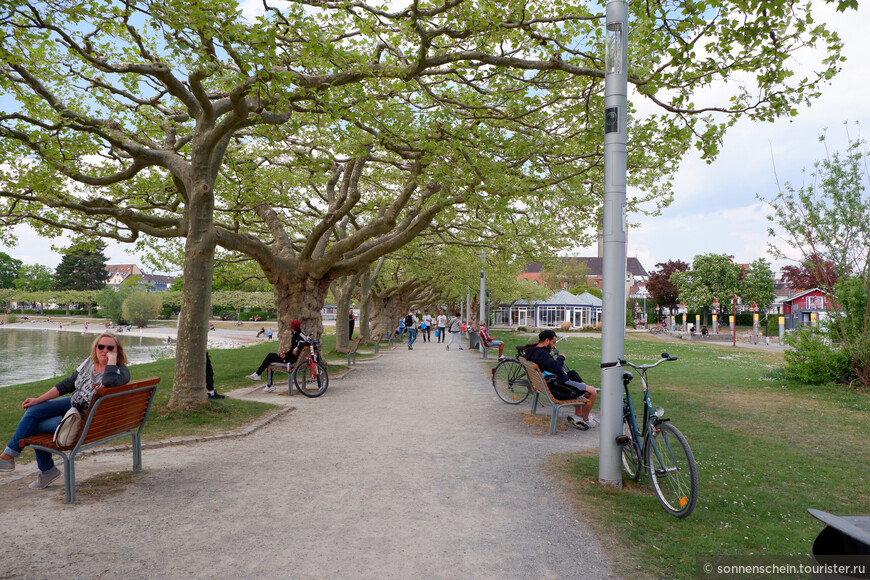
(316, 139)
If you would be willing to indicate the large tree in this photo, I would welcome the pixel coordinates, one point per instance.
(660, 286)
(83, 267)
(813, 271)
(757, 285)
(137, 103)
(712, 276)
(34, 278)
(826, 221)
(9, 267)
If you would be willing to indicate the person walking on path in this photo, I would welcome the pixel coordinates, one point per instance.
(454, 327)
(442, 326)
(411, 327)
(351, 320)
(426, 326)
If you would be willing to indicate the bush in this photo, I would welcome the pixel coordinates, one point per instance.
(140, 307)
(11, 318)
(773, 325)
(522, 329)
(814, 359)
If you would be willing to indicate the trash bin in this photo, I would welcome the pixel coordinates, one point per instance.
(845, 541)
(473, 340)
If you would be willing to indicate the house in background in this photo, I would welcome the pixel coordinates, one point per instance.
(798, 309)
(151, 282)
(635, 276)
(120, 272)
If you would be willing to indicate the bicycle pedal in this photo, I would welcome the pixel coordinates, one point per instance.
(622, 439)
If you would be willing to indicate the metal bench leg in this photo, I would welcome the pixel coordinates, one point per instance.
(69, 479)
(535, 402)
(554, 419)
(137, 452)
(268, 377)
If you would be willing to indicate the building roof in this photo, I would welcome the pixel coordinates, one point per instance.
(595, 265)
(804, 293)
(565, 298)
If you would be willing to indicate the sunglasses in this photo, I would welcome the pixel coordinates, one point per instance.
(108, 347)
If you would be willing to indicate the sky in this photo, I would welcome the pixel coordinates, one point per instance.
(715, 209)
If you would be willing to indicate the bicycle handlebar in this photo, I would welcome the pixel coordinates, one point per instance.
(624, 363)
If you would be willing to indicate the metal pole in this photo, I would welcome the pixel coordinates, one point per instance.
(613, 307)
(482, 308)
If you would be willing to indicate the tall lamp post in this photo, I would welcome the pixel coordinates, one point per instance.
(613, 262)
(733, 321)
(684, 312)
(658, 309)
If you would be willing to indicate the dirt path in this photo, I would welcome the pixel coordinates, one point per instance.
(408, 467)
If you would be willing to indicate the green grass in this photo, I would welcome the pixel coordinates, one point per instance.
(767, 449)
(230, 368)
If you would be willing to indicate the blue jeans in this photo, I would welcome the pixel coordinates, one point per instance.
(412, 336)
(37, 420)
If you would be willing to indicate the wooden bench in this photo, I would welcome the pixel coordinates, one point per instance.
(351, 352)
(287, 368)
(376, 341)
(540, 388)
(115, 412)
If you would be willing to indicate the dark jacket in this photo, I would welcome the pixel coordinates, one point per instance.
(113, 376)
(545, 361)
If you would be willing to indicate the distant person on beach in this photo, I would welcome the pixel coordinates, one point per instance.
(296, 344)
(105, 366)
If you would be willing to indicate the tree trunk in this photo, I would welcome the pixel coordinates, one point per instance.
(188, 386)
(386, 312)
(343, 291)
(302, 298)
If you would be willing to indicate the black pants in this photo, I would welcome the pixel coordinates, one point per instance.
(209, 374)
(350, 325)
(273, 357)
(427, 334)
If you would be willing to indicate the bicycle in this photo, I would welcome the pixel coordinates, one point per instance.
(509, 378)
(310, 377)
(665, 451)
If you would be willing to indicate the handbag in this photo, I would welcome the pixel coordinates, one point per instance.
(436, 333)
(68, 430)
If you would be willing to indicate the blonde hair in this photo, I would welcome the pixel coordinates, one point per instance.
(122, 358)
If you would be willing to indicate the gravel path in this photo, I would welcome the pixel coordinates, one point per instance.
(408, 467)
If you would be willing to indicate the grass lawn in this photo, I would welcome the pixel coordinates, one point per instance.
(230, 367)
(767, 449)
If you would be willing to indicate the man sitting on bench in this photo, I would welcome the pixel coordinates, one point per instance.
(282, 357)
(488, 341)
(570, 386)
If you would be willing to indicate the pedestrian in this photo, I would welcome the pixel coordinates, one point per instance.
(351, 319)
(209, 380)
(411, 327)
(426, 326)
(441, 329)
(454, 327)
(269, 334)
(262, 331)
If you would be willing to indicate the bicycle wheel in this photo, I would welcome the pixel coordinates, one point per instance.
(511, 382)
(672, 470)
(630, 453)
(310, 378)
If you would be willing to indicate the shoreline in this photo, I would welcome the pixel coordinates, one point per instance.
(220, 338)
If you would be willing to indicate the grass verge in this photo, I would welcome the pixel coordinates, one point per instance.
(230, 367)
(767, 449)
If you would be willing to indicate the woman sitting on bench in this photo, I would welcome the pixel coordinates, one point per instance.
(105, 367)
(283, 357)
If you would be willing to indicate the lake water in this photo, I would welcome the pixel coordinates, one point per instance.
(30, 355)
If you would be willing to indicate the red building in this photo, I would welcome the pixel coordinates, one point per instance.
(798, 310)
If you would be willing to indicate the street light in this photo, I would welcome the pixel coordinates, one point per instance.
(658, 308)
(684, 311)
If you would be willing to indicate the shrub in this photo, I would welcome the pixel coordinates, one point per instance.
(522, 329)
(814, 359)
(11, 318)
(140, 307)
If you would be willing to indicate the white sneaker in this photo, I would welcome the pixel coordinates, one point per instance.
(253, 377)
(577, 422)
(269, 389)
(592, 422)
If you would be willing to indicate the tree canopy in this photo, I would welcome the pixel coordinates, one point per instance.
(140, 118)
(9, 267)
(660, 286)
(83, 267)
